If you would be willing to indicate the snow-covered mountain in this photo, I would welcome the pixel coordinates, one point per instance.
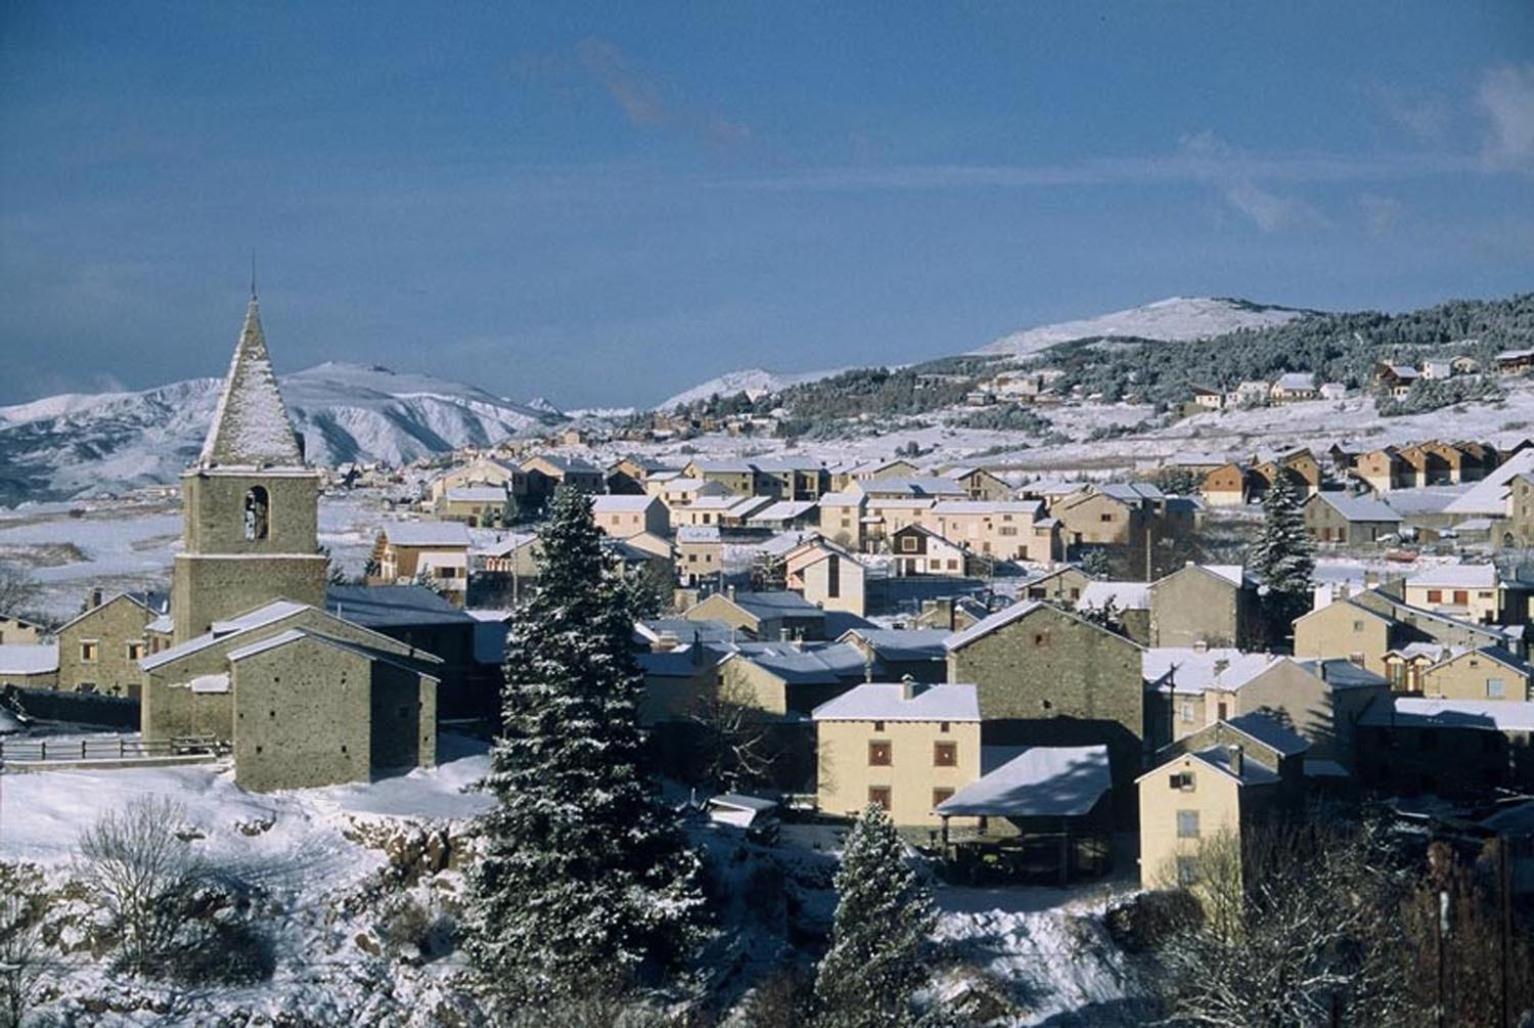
(79, 444)
(1175, 319)
(753, 381)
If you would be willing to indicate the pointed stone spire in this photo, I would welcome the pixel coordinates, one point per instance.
(251, 426)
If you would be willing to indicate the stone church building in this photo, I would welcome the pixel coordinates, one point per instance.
(302, 696)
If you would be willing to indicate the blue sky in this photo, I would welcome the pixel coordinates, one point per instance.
(604, 203)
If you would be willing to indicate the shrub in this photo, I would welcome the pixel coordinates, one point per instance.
(1148, 920)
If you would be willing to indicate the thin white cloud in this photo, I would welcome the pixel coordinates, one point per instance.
(648, 104)
(1506, 98)
(1425, 116)
(1380, 212)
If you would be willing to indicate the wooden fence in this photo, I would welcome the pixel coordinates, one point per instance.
(122, 747)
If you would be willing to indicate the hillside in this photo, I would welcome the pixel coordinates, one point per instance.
(753, 382)
(1177, 319)
(75, 444)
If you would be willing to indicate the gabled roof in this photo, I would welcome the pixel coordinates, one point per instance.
(698, 534)
(805, 663)
(1186, 670)
(477, 494)
(1413, 712)
(293, 635)
(990, 623)
(901, 644)
(28, 658)
(1489, 495)
(1038, 781)
(887, 701)
(392, 606)
(621, 503)
(1357, 508)
(1271, 733)
(426, 533)
(1456, 576)
(153, 603)
(262, 616)
(251, 425)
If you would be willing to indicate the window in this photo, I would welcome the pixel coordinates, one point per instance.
(943, 726)
(257, 514)
(1106, 517)
(945, 754)
(953, 565)
(880, 753)
(1187, 712)
(1495, 689)
(833, 576)
(1187, 871)
(908, 544)
(939, 795)
(1358, 626)
(1435, 595)
(879, 795)
(1461, 597)
(1187, 824)
(88, 651)
(1041, 639)
(1182, 781)
(878, 726)
(136, 650)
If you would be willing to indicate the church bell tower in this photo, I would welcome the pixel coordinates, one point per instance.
(250, 504)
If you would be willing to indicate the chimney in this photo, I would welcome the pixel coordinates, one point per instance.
(95, 598)
(697, 647)
(1321, 669)
(908, 688)
(868, 666)
(1237, 761)
(730, 591)
(785, 635)
(1200, 646)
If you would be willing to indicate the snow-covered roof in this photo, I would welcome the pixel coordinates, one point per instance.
(902, 644)
(392, 606)
(843, 499)
(988, 507)
(698, 534)
(477, 494)
(1184, 669)
(1456, 576)
(1131, 492)
(426, 533)
(1040, 781)
(1414, 712)
(1294, 381)
(990, 623)
(1123, 595)
(258, 618)
(618, 503)
(783, 510)
(250, 425)
(293, 635)
(1340, 673)
(888, 701)
(1271, 733)
(1489, 495)
(28, 658)
(1358, 508)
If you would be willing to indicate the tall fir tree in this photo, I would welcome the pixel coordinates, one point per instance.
(1283, 556)
(884, 917)
(586, 882)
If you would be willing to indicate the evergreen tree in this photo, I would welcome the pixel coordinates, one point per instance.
(585, 882)
(1283, 556)
(884, 916)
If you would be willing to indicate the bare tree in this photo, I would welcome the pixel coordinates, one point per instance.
(1301, 927)
(21, 956)
(737, 744)
(18, 589)
(134, 864)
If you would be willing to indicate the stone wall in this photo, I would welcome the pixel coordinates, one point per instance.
(113, 626)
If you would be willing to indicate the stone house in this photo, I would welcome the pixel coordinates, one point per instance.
(1294, 387)
(827, 575)
(546, 472)
(699, 554)
(1455, 748)
(18, 631)
(680, 491)
(1062, 586)
(1215, 786)
(1231, 485)
(1215, 605)
(1046, 676)
(1348, 520)
(310, 709)
(1488, 673)
(29, 665)
(841, 519)
(436, 553)
(920, 551)
(1011, 530)
(900, 653)
(622, 516)
(478, 506)
(735, 476)
(481, 471)
(788, 680)
(99, 649)
(980, 484)
(904, 746)
(763, 615)
(1383, 469)
(1470, 592)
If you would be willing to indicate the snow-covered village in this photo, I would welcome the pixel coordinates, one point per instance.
(766, 517)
